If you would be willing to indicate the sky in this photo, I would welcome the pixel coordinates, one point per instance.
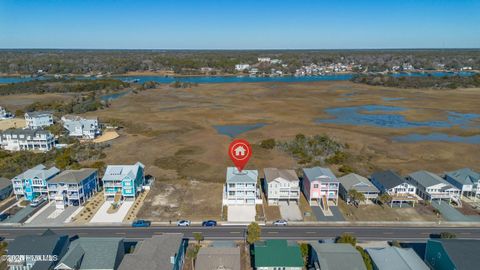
(246, 24)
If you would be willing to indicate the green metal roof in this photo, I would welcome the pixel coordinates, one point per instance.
(277, 253)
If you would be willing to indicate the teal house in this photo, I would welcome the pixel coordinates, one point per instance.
(277, 255)
(452, 254)
(123, 181)
(33, 182)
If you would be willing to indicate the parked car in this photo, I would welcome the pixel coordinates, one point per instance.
(4, 216)
(183, 223)
(141, 223)
(209, 223)
(280, 222)
(37, 201)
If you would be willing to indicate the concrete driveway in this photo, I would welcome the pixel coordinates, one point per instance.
(241, 213)
(103, 217)
(50, 216)
(290, 212)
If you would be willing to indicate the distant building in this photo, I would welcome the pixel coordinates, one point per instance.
(335, 257)
(242, 67)
(72, 187)
(432, 187)
(277, 254)
(4, 114)
(81, 127)
(263, 59)
(36, 120)
(27, 140)
(467, 180)
(45, 251)
(123, 181)
(395, 258)
(447, 254)
(6, 188)
(281, 185)
(103, 253)
(33, 182)
(241, 187)
(396, 186)
(213, 258)
(358, 183)
(320, 186)
(166, 252)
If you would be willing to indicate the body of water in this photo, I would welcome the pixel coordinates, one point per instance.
(240, 79)
(235, 130)
(386, 117)
(439, 137)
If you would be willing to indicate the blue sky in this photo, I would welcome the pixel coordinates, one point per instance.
(259, 24)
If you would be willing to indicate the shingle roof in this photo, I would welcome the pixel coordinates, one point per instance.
(245, 176)
(38, 113)
(338, 257)
(388, 178)
(315, 172)
(273, 173)
(26, 132)
(279, 253)
(153, 253)
(428, 179)
(4, 182)
(72, 176)
(462, 252)
(39, 171)
(357, 182)
(93, 253)
(394, 258)
(465, 176)
(211, 258)
(118, 172)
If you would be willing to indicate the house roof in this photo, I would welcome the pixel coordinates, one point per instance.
(38, 113)
(72, 176)
(357, 182)
(212, 258)
(119, 172)
(4, 182)
(26, 132)
(153, 253)
(273, 173)
(394, 258)
(316, 172)
(277, 253)
(40, 172)
(462, 252)
(428, 179)
(388, 178)
(465, 176)
(244, 176)
(338, 257)
(93, 253)
(71, 117)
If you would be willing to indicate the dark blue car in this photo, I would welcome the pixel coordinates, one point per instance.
(141, 223)
(209, 223)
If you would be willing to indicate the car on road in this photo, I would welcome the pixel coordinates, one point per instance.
(4, 216)
(37, 201)
(209, 223)
(141, 223)
(183, 223)
(280, 222)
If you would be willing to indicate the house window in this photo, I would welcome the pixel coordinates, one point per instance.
(315, 185)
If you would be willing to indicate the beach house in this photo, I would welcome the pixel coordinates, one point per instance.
(4, 114)
(72, 187)
(123, 181)
(34, 120)
(430, 187)
(209, 258)
(359, 183)
(401, 190)
(241, 187)
(33, 182)
(320, 186)
(447, 254)
(27, 140)
(84, 128)
(335, 257)
(281, 185)
(395, 258)
(467, 180)
(277, 254)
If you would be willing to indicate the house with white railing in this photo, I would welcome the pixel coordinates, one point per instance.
(39, 119)
(72, 187)
(467, 180)
(241, 187)
(27, 140)
(431, 187)
(33, 182)
(320, 187)
(281, 185)
(123, 181)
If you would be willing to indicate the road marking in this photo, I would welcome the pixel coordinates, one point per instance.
(465, 233)
(121, 233)
(235, 232)
(272, 232)
(310, 232)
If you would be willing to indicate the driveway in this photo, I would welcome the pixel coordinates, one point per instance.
(241, 213)
(337, 215)
(51, 216)
(452, 214)
(103, 217)
(290, 212)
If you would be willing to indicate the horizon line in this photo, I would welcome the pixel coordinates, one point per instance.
(247, 49)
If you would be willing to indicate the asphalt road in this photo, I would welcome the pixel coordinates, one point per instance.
(237, 232)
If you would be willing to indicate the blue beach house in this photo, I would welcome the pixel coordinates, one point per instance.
(33, 182)
(123, 181)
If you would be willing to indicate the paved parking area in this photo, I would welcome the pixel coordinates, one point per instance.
(337, 215)
(50, 216)
(241, 213)
(452, 214)
(103, 217)
(290, 212)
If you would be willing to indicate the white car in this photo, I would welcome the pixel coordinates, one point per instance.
(183, 223)
(280, 222)
(36, 202)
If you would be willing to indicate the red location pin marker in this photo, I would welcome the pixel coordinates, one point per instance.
(240, 152)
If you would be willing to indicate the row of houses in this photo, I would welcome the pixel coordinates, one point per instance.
(75, 187)
(321, 187)
(168, 252)
(34, 138)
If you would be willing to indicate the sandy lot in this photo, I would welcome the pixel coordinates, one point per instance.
(12, 123)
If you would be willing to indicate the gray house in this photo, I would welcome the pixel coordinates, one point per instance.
(395, 258)
(281, 186)
(358, 183)
(93, 253)
(432, 187)
(401, 190)
(209, 258)
(335, 257)
(467, 180)
(5, 188)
